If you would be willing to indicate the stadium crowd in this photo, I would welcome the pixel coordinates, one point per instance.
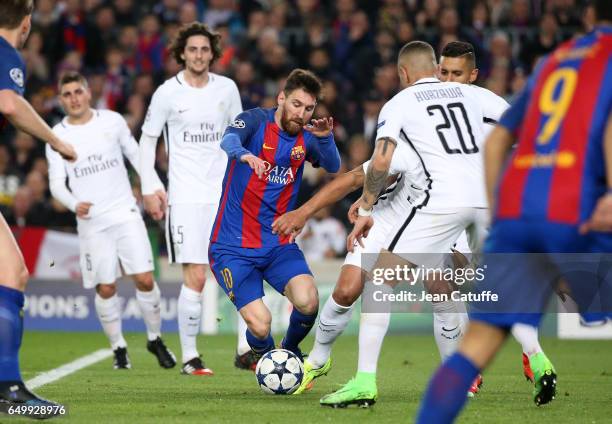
(121, 46)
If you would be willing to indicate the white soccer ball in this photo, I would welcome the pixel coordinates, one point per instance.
(279, 372)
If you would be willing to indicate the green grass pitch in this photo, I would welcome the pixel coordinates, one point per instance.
(149, 394)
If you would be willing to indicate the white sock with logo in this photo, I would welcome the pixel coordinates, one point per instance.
(149, 303)
(333, 319)
(109, 314)
(189, 311)
(448, 326)
(527, 336)
(372, 331)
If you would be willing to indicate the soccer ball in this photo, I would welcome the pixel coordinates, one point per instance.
(279, 372)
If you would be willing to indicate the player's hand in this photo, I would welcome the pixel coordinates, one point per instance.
(65, 150)
(601, 219)
(353, 213)
(320, 127)
(82, 209)
(360, 230)
(154, 204)
(289, 223)
(257, 165)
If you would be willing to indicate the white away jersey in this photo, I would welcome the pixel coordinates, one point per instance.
(193, 121)
(407, 191)
(99, 175)
(444, 122)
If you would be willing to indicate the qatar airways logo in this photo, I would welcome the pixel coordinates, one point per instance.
(94, 165)
(279, 174)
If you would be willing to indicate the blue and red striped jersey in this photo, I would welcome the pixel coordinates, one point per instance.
(557, 171)
(12, 72)
(248, 204)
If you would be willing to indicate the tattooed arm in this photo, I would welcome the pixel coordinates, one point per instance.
(376, 176)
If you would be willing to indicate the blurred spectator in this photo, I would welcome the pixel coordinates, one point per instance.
(545, 41)
(168, 10)
(150, 51)
(322, 237)
(9, 179)
(223, 12)
(188, 13)
(24, 152)
(251, 91)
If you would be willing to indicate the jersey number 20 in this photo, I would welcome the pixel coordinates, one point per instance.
(447, 111)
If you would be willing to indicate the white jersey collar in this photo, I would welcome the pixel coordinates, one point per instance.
(427, 80)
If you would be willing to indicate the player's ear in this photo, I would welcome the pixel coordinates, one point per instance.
(280, 99)
(474, 75)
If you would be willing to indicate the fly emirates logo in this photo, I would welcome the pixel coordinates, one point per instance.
(94, 165)
(279, 174)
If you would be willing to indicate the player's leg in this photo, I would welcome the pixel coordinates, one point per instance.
(445, 395)
(13, 280)
(136, 257)
(258, 319)
(245, 358)
(108, 309)
(189, 312)
(527, 336)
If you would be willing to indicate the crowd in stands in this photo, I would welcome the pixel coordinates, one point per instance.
(122, 48)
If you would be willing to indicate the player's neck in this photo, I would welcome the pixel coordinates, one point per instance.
(195, 80)
(81, 120)
(419, 76)
(11, 36)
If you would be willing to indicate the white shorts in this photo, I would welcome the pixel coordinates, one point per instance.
(188, 228)
(365, 257)
(104, 253)
(424, 234)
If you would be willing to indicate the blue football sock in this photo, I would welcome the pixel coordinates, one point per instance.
(299, 327)
(11, 331)
(447, 391)
(259, 346)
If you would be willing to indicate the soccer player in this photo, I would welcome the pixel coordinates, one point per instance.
(267, 149)
(452, 115)
(193, 108)
(562, 120)
(111, 229)
(15, 25)
(458, 64)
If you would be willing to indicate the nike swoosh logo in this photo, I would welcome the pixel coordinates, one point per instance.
(267, 147)
(452, 329)
(182, 111)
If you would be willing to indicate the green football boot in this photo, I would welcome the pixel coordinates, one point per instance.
(360, 391)
(310, 374)
(545, 379)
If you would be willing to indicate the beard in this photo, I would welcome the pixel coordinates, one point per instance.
(291, 126)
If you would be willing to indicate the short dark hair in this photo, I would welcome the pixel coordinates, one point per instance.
(71, 76)
(189, 30)
(460, 49)
(13, 12)
(603, 11)
(306, 80)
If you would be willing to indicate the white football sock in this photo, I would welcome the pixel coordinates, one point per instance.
(372, 330)
(448, 327)
(189, 310)
(243, 345)
(333, 319)
(527, 336)
(149, 303)
(109, 314)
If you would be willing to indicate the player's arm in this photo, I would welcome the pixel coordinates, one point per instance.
(323, 152)
(376, 176)
(601, 219)
(57, 185)
(338, 188)
(21, 115)
(236, 137)
(496, 150)
(153, 196)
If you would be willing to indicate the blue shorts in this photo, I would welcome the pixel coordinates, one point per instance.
(240, 271)
(524, 262)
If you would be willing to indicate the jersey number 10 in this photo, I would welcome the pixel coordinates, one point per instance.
(444, 112)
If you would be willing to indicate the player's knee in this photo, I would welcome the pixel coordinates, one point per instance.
(144, 281)
(196, 278)
(308, 304)
(106, 291)
(345, 294)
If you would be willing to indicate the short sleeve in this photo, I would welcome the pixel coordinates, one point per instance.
(157, 114)
(12, 72)
(389, 121)
(244, 126)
